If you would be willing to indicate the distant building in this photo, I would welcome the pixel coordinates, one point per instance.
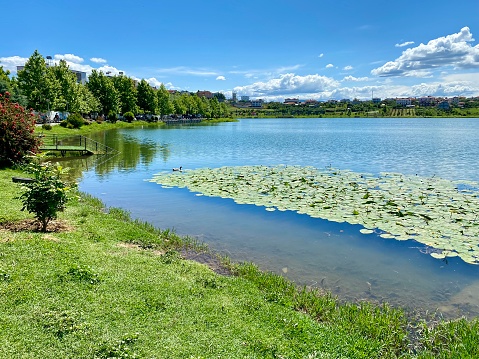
(376, 100)
(444, 105)
(234, 99)
(291, 101)
(311, 103)
(256, 103)
(403, 102)
(244, 98)
(80, 75)
(427, 101)
(206, 94)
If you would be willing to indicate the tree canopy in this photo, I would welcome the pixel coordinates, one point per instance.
(44, 87)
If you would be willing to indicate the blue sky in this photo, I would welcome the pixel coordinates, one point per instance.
(310, 49)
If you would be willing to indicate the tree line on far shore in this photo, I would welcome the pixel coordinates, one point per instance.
(55, 88)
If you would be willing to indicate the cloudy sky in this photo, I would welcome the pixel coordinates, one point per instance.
(310, 49)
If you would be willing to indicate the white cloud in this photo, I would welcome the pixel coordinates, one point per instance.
(470, 78)
(11, 63)
(289, 84)
(221, 78)
(182, 70)
(98, 60)
(154, 82)
(328, 66)
(321, 55)
(407, 43)
(448, 51)
(348, 68)
(111, 70)
(284, 69)
(69, 58)
(355, 79)
(447, 89)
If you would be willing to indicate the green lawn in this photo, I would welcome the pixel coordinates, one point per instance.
(105, 286)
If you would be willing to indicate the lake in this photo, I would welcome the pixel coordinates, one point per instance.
(309, 251)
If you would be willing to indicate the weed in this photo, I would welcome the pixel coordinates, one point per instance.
(4, 276)
(82, 273)
(170, 257)
(119, 214)
(61, 323)
(119, 349)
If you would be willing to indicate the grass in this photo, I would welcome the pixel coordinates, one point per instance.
(103, 126)
(112, 287)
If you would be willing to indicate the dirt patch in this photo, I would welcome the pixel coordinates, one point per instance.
(209, 259)
(31, 225)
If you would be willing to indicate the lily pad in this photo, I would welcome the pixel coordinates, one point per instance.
(432, 211)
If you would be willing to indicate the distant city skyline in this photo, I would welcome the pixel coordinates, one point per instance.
(303, 49)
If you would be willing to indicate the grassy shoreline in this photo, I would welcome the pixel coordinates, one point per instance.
(102, 285)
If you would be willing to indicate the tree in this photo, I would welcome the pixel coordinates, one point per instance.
(5, 82)
(215, 108)
(67, 81)
(179, 106)
(46, 194)
(221, 97)
(203, 106)
(38, 84)
(147, 100)
(17, 139)
(105, 92)
(126, 92)
(165, 106)
(84, 101)
(189, 103)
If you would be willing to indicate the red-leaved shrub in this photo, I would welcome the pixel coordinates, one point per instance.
(17, 138)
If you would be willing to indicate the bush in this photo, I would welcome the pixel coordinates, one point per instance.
(17, 126)
(47, 126)
(112, 116)
(47, 194)
(75, 120)
(129, 116)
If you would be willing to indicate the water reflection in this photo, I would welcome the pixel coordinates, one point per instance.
(131, 153)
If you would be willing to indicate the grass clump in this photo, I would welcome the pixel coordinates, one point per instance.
(75, 292)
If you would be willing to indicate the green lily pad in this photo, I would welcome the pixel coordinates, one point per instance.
(432, 211)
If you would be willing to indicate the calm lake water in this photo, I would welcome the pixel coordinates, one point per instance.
(309, 251)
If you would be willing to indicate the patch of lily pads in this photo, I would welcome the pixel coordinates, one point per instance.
(439, 213)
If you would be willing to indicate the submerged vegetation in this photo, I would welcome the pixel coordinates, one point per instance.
(439, 213)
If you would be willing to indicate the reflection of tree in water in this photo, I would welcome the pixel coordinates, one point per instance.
(131, 152)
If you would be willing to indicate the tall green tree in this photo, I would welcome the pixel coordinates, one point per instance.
(215, 108)
(147, 100)
(5, 82)
(165, 105)
(10, 85)
(190, 104)
(104, 91)
(127, 93)
(203, 106)
(68, 85)
(38, 83)
(84, 101)
(179, 105)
